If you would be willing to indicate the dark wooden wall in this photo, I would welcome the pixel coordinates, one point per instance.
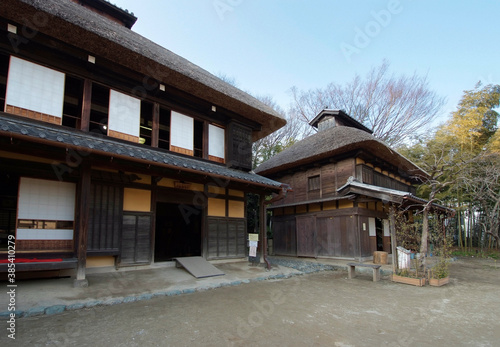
(306, 236)
(336, 237)
(239, 140)
(105, 219)
(316, 236)
(226, 238)
(284, 236)
(366, 248)
(136, 238)
(332, 177)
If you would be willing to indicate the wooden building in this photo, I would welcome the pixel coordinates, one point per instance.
(344, 182)
(115, 151)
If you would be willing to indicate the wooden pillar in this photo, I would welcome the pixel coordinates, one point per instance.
(152, 231)
(392, 228)
(262, 226)
(204, 223)
(155, 128)
(205, 140)
(86, 103)
(83, 201)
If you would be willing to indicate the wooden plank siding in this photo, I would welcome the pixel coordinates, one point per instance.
(327, 234)
(105, 219)
(284, 236)
(344, 170)
(136, 238)
(306, 236)
(300, 186)
(365, 244)
(226, 238)
(328, 237)
(239, 146)
(315, 193)
(328, 181)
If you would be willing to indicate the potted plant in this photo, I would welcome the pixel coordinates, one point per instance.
(439, 273)
(407, 276)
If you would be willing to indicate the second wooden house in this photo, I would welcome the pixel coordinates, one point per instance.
(344, 181)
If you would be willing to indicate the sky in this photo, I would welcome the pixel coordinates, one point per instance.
(270, 46)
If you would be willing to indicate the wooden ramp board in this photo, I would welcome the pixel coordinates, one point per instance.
(198, 267)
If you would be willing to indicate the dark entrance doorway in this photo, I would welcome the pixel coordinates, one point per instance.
(380, 234)
(178, 231)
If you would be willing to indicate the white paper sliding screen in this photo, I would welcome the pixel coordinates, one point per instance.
(124, 116)
(216, 143)
(372, 227)
(34, 91)
(387, 231)
(46, 213)
(181, 133)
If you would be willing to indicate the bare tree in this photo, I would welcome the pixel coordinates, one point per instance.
(394, 107)
(274, 143)
(482, 184)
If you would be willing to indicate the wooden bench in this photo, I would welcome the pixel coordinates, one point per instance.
(376, 270)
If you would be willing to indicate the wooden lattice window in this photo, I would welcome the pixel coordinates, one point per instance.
(313, 183)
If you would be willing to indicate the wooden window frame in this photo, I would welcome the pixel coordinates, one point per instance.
(313, 183)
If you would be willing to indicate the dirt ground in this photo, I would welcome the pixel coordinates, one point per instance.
(321, 309)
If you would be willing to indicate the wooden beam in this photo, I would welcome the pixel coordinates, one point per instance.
(82, 217)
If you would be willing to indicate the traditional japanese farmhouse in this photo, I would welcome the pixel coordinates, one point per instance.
(114, 151)
(344, 182)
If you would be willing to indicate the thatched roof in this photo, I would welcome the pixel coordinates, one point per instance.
(78, 26)
(331, 143)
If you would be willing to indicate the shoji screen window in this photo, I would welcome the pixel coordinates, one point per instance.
(124, 116)
(34, 91)
(216, 143)
(181, 133)
(46, 213)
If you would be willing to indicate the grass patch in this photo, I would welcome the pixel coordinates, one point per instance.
(475, 252)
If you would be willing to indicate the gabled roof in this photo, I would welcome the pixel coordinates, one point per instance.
(333, 142)
(62, 137)
(78, 26)
(339, 115)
